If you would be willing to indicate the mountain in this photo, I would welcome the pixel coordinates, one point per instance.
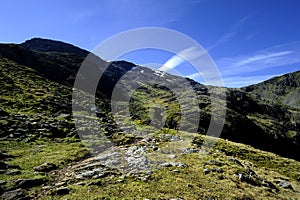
(46, 45)
(37, 77)
(282, 89)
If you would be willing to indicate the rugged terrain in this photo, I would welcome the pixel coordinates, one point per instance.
(41, 148)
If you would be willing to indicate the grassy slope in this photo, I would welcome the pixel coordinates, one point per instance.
(192, 183)
(282, 89)
(25, 92)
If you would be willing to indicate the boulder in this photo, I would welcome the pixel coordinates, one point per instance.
(13, 172)
(247, 179)
(45, 167)
(4, 156)
(284, 184)
(15, 194)
(189, 150)
(206, 171)
(28, 183)
(62, 191)
(236, 161)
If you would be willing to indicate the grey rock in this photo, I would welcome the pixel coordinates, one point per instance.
(218, 170)
(189, 150)
(62, 191)
(236, 161)
(13, 172)
(45, 167)
(206, 171)
(214, 162)
(28, 183)
(80, 183)
(178, 164)
(166, 164)
(96, 183)
(88, 174)
(172, 156)
(14, 194)
(3, 165)
(269, 184)
(284, 184)
(2, 182)
(247, 179)
(173, 164)
(4, 156)
(102, 175)
(60, 184)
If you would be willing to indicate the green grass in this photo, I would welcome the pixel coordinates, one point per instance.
(192, 183)
(30, 155)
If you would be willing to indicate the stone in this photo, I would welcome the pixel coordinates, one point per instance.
(3, 165)
(2, 182)
(172, 156)
(80, 183)
(13, 172)
(96, 183)
(45, 167)
(218, 170)
(4, 156)
(284, 184)
(60, 184)
(176, 171)
(62, 191)
(236, 161)
(88, 174)
(173, 164)
(247, 179)
(14, 194)
(28, 183)
(206, 171)
(102, 175)
(189, 150)
(214, 162)
(178, 164)
(269, 184)
(166, 164)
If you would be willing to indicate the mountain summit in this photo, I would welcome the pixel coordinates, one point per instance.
(46, 45)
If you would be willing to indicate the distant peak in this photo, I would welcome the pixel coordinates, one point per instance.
(48, 45)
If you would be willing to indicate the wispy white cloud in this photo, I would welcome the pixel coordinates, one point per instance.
(239, 71)
(178, 59)
(233, 31)
(80, 16)
(241, 81)
(277, 56)
(264, 57)
(155, 13)
(252, 35)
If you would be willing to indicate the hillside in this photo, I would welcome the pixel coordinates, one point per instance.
(282, 89)
(37, 126)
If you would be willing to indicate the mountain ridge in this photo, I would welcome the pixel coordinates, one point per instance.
(37, 127)
(283, 89)
(242, 107)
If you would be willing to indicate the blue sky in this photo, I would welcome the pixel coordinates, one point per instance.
(249, 40)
